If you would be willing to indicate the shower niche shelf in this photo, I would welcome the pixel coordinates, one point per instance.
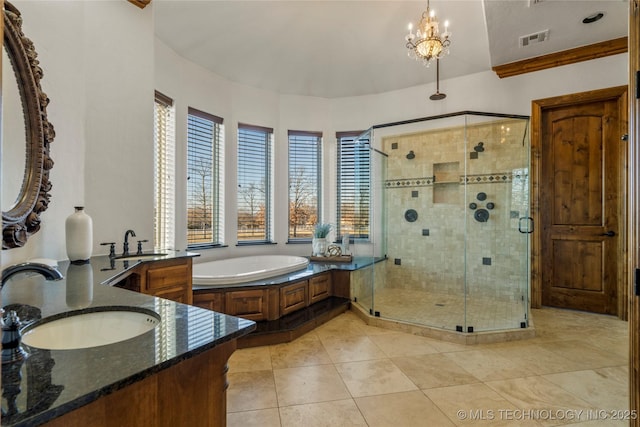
(446, 182)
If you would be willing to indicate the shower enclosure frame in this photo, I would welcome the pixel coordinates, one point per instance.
(442, 187)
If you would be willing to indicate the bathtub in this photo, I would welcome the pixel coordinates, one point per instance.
(245, 269)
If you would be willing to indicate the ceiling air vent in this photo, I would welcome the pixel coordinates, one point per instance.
(533, 38)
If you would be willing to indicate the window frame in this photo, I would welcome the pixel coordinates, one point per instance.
(342, 138)
(216, 181)
(268, 179)
(164, 175)
(317, 185)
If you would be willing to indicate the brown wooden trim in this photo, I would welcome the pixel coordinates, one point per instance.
(537, 107)
(634, 210)
(163, 99)
(304, 133)
(565, 57)
(140, 3)
(204, 115)
(255, 128)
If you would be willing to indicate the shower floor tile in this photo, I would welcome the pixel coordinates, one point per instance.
(446, 311)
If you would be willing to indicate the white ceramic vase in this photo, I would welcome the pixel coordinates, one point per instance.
(319, 246)
(79, 236)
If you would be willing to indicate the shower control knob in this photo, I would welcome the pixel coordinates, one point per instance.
(472, 206)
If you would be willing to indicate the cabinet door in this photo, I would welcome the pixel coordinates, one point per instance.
(250, 304)
(293, 297)
(170, 279)
(319, 287)
(210, 300)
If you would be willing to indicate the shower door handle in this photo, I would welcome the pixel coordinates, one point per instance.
(528, 229)
(609, 233)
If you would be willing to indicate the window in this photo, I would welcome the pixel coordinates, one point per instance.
(255, 170)
(304, 183)
(353, 185)
(164, 161)
(205, 145)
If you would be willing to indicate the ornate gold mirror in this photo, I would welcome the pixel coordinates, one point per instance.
(22, 217)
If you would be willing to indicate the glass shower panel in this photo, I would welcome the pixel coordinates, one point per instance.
(422, 280)
(357, 221)
(497, 210)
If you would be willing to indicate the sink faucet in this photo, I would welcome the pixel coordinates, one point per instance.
(11, 351)
(125, 246)
(49, 272)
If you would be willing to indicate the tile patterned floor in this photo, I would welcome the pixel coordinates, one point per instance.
(445, 310)
(346, 373)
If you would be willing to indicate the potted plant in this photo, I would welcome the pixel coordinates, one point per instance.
(319, 242)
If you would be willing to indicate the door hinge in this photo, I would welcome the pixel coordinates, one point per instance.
(637, 84)
(637, 282)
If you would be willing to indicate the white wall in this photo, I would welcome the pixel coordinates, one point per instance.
(101, 64)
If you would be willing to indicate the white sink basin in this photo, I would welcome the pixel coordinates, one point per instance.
(90, 329)
(137, 257)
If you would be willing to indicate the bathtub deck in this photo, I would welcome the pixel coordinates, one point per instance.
(291, 326)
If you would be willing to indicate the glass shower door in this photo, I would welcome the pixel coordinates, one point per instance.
(497, 223)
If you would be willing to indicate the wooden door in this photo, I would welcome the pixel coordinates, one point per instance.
(581, 205)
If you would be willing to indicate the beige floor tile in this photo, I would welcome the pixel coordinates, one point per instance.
(408, 409)
(373, 377)
(547, 402)
(309, 384)
(351, 348)
(475, 404)
(486, 365)
(534, 359)
(251, 390)
(343, 413)
(347, 324)
(605, 388)
(584, 355)
(305, 351)
(250, 359)
(433, 370)
(401, 344)
(260, 418)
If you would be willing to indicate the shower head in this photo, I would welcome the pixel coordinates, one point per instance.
(479, 148)
(411, 155)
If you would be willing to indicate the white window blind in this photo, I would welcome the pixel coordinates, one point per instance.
(164, 161)
(205, 145)
(255, 177)
(353, 185)
(304, 183)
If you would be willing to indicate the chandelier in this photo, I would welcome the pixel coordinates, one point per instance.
(428, 44)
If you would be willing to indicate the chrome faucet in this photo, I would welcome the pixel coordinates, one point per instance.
(125, 246)
(11, 351)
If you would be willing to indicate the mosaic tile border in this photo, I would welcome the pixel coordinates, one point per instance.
(409, 182)
(490, 178)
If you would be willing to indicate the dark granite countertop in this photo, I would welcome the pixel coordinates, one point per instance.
(313, 268)
(50, 383)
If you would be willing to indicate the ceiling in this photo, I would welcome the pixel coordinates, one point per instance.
(334, 49)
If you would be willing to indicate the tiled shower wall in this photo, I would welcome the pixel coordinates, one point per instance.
(445, 248)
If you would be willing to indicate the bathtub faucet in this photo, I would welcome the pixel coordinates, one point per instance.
(125, 245)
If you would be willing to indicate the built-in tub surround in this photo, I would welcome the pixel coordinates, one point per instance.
(458, 171)
(234, 271)
(55, 382)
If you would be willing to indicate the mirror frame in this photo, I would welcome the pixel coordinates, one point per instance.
(23, 219)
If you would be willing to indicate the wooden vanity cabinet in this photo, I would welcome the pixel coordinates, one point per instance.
(190, 393)
(170, 279)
